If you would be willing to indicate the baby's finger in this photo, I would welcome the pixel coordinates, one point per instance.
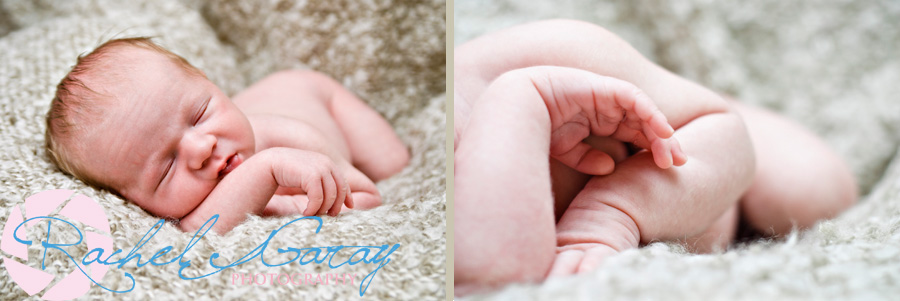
(633, 136)
(342, 190)
(653, 136)
(679, 158)
(594, 257)
(349, 200)
(634, 99)
(330, 193)
(315, 195)
(653, 119)
(658, 125)
(662, 151)
(647, 111)
(336, 208)
(566, 263)
(584, 158)
(596, 162)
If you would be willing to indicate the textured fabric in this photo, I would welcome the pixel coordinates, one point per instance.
(390, 53)
(831, 65)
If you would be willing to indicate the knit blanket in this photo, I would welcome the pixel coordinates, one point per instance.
(832, 65)
(389, 53)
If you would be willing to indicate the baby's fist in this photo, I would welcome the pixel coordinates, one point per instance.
(316, 174)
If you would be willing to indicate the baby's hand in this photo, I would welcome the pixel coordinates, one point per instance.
(325, 187)
(582, 103)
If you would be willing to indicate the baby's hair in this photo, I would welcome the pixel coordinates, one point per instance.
(74, 106)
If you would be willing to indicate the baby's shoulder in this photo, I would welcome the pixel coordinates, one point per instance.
(292, 109)
(286, 90)
(287, 97)
(271, 130)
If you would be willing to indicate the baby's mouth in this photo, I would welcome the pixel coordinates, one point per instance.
(230, 165)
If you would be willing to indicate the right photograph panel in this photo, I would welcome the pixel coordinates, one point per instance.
(650, 150)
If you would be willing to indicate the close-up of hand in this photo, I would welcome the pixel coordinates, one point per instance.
(582, 103)
(325, 188)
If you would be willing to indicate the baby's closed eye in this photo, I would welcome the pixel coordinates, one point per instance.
(200, 113)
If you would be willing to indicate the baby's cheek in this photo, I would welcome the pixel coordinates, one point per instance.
(185, 198)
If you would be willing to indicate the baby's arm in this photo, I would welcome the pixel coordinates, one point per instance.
(583, 46)
(374, 147)
(251, 185)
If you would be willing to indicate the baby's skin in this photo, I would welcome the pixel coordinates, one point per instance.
(545, 184)
(295, 142)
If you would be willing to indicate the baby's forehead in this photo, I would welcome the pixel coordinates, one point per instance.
(124, 69)
(133, 59)
(113, 66)
(144, 61)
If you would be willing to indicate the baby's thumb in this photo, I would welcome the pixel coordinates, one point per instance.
(583, 158)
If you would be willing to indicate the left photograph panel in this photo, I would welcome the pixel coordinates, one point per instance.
(223, 150)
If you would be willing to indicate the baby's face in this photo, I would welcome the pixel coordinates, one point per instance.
(169, 138)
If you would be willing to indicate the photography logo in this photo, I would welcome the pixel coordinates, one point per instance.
(27, 272)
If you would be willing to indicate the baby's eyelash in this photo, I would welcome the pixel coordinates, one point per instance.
(202, 111)
(166, 172)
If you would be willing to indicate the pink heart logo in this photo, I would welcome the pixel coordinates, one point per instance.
(34, 280)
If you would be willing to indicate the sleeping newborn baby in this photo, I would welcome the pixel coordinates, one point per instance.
(140, 121)
(570, 147)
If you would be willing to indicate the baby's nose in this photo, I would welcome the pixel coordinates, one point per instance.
(197, 149)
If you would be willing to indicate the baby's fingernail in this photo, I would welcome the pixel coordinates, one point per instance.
(349, 201)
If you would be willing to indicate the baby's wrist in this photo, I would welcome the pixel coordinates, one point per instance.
(269, 157)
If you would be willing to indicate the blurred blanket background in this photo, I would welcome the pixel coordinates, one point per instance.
(832, 65)
(390, 53)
